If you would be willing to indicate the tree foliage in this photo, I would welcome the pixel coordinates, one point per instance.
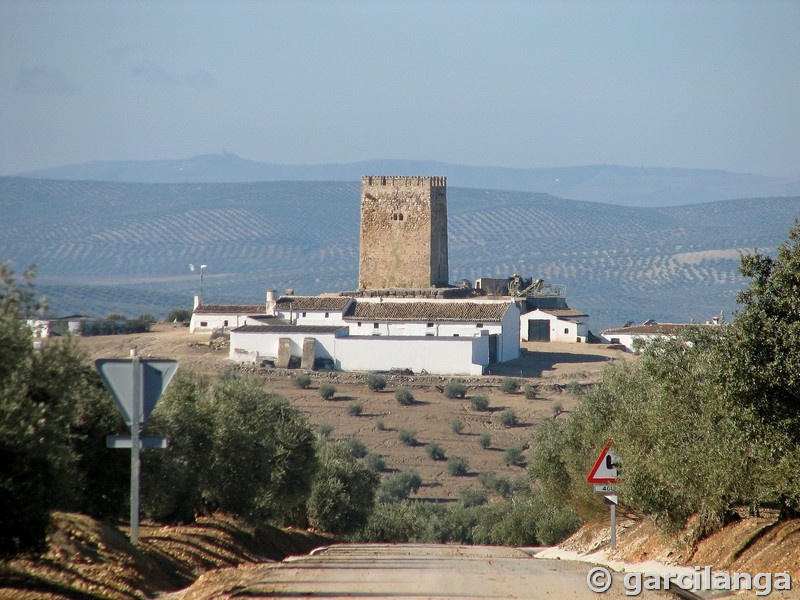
(342, 491)
(233, 447)
(54, 416)
(704, 423)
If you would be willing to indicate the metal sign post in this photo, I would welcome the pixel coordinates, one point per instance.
(604, 477)
(136, 386)
(136, 367)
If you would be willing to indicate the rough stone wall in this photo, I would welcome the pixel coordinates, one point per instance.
(403, 232)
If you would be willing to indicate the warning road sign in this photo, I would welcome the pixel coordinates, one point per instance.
(605, 468)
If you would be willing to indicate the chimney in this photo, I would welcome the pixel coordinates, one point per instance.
(272, 300)
(196, 301)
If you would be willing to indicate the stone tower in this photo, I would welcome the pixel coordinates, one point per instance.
(403, 232)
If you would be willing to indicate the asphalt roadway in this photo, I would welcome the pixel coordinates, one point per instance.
(409, 571)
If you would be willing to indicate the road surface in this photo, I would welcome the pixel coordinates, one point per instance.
(407, 571)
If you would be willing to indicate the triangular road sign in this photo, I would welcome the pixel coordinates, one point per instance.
(605, 468)
(117, 374)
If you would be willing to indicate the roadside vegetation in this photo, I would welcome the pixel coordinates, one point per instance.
(704, 425)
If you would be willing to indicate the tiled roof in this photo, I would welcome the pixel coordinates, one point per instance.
(654, 329)
(327, 303)
(287, 329)
(563, 312)
(231, 309)
(435, 310)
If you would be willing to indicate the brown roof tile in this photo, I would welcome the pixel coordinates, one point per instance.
(288, 329)
(563, 312)
(327, 303)
(436, 310)
(231, 309)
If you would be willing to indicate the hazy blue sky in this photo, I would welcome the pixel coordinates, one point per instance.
(522, 84)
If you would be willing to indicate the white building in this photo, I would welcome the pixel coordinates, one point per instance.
(635, 336)
(313, 310)
(446, 337)
(496, 318)
(553, 325)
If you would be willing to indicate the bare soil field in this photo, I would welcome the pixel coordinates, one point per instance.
(550, 367)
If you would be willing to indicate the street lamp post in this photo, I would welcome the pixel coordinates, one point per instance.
(202, 268)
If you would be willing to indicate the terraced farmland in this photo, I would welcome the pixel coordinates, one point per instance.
(114, 247)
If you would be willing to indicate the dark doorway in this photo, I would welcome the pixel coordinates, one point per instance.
(538, 330)
(493, 348)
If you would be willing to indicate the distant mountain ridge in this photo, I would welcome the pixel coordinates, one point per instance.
(625, 186)
(105, 247)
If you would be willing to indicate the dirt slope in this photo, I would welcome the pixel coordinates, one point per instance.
(90, 559)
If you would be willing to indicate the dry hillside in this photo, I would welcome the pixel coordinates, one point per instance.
(550, 367)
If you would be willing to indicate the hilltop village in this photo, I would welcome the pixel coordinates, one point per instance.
(405, 314)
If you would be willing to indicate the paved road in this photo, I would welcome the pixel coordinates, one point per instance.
(408, 571)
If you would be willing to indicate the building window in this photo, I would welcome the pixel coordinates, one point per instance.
(456, 335)
(304, 314)
(225, 323)
(429, 335)
(566, 329)
(374, 325)
(479, 325)
(203, 323)
(430, 324)
(327, 315)
(359, 324)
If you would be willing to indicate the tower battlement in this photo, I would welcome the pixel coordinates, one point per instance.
(401, 180)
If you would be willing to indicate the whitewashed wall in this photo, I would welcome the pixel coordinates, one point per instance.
(561, 330)
(440, 356)
(210, 322)
(312, 317)
(251, 347)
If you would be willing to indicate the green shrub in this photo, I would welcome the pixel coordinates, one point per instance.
(302, 381)
(356, 447)
(509, 385)
(342, 491)
(408, 437)
(375, 462)
(457, 465)
(375, 382)
(457, 425)
(507, 523)
(355, 409)
(327, 391)
(557, 409)
(529, 391)
(325, 430)
(399, 486)
(471, 497)
(179, 315)
(514, 456)
(479, 402)
(455, 389)
(380, 425)
(521, 485)
(404, 396)
(485, 441)
(233, 447)
(435, 451)
(495, 483)
(508, 418)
